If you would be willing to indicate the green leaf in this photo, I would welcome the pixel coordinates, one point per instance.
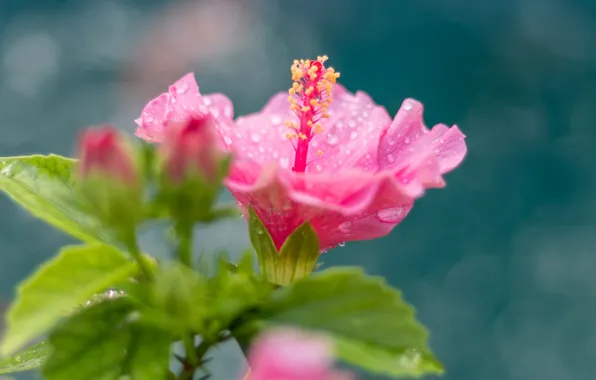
(236, 290)
(45, 186)
(183, 300)
(177, 299)
(295, 260)
(31, 358)
(105, 342)
(373, 327)
(60, 285)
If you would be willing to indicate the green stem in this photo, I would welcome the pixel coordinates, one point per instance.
(184, 232)
(133, 249)
(189, 347)
(189, 367)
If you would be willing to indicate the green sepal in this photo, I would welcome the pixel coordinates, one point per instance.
(194, 199)
(295, 260)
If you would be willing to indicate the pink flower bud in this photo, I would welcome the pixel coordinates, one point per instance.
(190, 150)
(103, 153)
(286, 354)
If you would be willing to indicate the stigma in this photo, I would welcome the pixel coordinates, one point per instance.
(309, 98)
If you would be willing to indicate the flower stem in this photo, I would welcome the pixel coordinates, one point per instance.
(190, 367)
(135, 252)
(184, 232)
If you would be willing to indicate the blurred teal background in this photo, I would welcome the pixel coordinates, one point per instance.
(499, 264)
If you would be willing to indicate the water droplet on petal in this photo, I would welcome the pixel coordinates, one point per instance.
(255, 137)
(353, 135)
(345, 227)
(407, 140)
(276, 120)
(228, 140)
(390, 158)
(332, 139)
(408, 106)
(341, 244)
(206, 101)
(391, 215)
(351, 123)
(319, 168)
(284, 162)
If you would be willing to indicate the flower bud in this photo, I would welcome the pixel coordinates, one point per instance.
(109, 178)
(193, 169)
(190, 151)
(102, 153)
(290, 354)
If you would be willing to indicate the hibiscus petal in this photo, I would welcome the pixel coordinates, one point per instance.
(351, 206)
(351, 134)
(407, 136)
(182, 102)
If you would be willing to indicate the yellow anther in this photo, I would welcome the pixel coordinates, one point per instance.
(309, 98)
(297, 74)
(291, 136)
(319, 152)
(291, 124)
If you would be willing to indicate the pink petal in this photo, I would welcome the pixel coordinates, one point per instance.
(261, 137)
(350, 206)
(351, 134)
(182, 102)
(350, 138)
(288, 354)
(407, 136)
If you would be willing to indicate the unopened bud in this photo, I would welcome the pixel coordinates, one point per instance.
(193, 169)
(103, 153)
(190, 150)
(109, 178)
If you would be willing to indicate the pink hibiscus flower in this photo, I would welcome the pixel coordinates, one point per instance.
(287, 354)
(329, 157)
